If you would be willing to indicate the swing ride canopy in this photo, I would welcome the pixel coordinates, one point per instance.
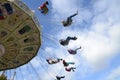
(19, 34)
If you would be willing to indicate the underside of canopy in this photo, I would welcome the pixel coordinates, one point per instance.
(19, 35)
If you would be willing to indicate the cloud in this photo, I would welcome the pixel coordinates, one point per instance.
(101, 42)
(114, 75)
(64, 6)
(104, 34)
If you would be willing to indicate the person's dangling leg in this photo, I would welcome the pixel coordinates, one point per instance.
(73, 15)
(73, 68)
(62, 77)
(78, 48)
(68, 38)
(59, 60)
(74, 51)
(71, 38)
(70, 63)
(69, 19)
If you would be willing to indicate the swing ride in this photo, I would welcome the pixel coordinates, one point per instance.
(20, 38)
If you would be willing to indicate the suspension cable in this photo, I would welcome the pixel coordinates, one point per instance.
(17, 74)
(34, 71)
(21, 73)
(46, 52)
(16, 77)
(30, 72)
(52, 38)
(39, 59)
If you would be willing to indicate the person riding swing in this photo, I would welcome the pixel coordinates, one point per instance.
(69, 20)
(66, 41)
(53, 61)
(43, 8)
(71, 51)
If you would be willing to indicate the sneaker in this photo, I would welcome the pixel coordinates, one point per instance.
(75, 37)
(77, 12)
(47, 3)
(80, 47)
(73, 63)
(61, 59)
(74, 68)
